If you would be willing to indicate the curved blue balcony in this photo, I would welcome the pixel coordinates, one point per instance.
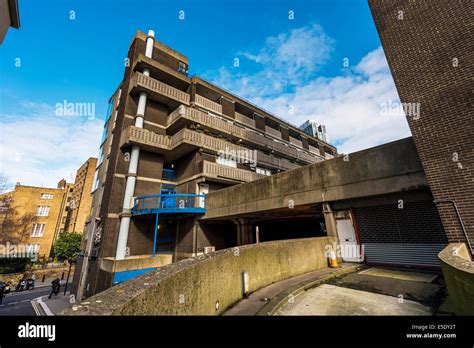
(169, 203)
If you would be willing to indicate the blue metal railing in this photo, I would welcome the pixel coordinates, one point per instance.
(169, 174)
(169, 203)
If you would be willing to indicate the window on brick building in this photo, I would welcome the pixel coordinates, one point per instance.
(42, 210)
(46, 196)
(38, 230)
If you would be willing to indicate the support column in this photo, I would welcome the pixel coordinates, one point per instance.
(133, 166)
(329, 220)
(244, 232)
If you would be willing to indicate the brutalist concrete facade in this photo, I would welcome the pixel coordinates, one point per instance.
(188, 123)
(430, 51)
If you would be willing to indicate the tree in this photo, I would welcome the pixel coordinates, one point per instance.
(67, 245)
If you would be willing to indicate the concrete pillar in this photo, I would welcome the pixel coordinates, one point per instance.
(244, 232)
(329, 220)
(133, 165)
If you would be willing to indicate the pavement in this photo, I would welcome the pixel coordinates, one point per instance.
(334, 300)
(26, 302)
(257, 301)
(375, 291)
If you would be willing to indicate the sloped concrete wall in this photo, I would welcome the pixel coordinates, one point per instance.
(458, 272)
(209, 284)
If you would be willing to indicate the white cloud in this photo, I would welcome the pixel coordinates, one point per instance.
(39, 148)
(349, 104)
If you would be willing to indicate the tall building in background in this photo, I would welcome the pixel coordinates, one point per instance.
(168, 140)
(315, 130)
(81, 199)
(430, 51)
(9, 17)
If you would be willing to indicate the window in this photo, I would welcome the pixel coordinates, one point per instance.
(263, 171)
(182, 68)
(43, 210)
(38, 230)
(46, 196)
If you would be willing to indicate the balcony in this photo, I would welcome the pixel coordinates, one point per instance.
(272, 161)
(296, 142)
(207, 104)
(314, 150)
(170, 204)
(219, 171)
(176, 145)
(273, 132)
(158, 89)
(253, 138)
(245, 120)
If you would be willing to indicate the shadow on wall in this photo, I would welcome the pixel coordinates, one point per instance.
(209, 284)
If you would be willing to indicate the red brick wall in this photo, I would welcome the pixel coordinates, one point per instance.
(422, 40)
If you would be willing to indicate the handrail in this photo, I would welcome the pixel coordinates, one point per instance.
(169, 203)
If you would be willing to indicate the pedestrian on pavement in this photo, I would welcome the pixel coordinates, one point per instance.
(2, 293)
(55, 284)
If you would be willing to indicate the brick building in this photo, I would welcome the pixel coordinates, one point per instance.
(35, 216)
(170, 134)
(81, 199)
(430, 51)
(9, 17)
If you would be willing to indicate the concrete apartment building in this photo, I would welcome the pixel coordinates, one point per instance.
(35, 216)
(9, 17)
(430, 51)
(169, 139)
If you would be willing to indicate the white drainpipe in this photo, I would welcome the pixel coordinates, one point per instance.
(133, 166)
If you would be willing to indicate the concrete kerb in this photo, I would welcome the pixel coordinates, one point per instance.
(281, 299)
(40, 307)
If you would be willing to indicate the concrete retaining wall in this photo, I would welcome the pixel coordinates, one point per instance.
(209, 284)
(458, 272)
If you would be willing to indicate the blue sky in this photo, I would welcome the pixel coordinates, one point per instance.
(292, 67)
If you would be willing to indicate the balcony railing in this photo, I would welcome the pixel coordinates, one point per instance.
(241, 133)
(160, 88)
(154, 141)
(220, 171)
(207, 104)
(296, 142)
(273, 132)
(169, 203)
(245, 120)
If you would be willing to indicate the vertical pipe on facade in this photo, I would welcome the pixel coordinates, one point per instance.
(133, 166)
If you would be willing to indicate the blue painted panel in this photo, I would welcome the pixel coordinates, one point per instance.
(120, 277)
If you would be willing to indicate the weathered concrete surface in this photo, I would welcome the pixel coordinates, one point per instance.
(428, 294)
(270, 295)
(384, 169)
(209, 284)
(333, 300)
(458, 271)
(402, 275)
